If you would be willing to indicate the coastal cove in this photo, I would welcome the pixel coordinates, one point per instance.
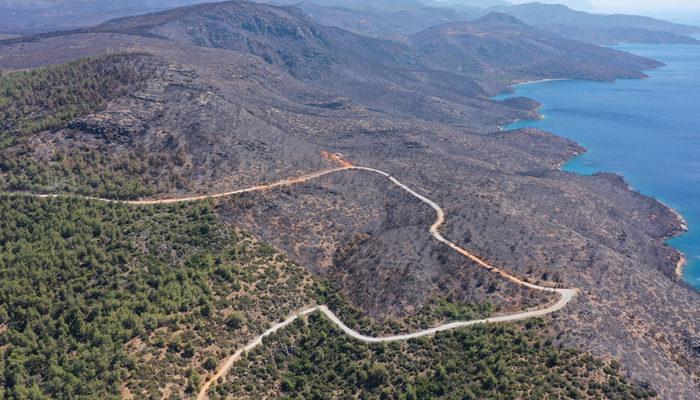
(644, 130)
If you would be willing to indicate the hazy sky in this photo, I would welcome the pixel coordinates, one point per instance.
(687, 11)
(632, 5)
(664, 5)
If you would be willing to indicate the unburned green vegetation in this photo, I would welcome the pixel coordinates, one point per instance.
(84, 172)
(103, 300)
(315, 360)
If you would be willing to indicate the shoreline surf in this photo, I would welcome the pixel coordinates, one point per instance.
(611, 121)
(680, 265)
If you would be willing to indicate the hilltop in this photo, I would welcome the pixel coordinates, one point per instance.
(498, 44)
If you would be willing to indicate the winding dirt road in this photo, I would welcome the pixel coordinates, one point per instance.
(259, 188)
(565, 295)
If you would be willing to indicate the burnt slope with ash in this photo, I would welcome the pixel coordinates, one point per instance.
(394, 20)
(498, 44)
(185, 129)
(371, 239)
(370, 71)
(380, 74)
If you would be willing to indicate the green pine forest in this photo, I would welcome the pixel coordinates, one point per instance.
(98, 300)
(314, 360)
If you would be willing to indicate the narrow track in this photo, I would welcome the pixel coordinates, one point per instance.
(565, 295)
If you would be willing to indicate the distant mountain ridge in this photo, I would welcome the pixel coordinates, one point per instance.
(287, 37)
(500, 44)
(384, 74)
(600, 28)
(469, 3)
(371, 19)
(393, 19)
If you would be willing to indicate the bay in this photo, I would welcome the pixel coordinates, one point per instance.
(645, 130)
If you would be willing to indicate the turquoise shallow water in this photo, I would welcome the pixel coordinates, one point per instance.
(646, 130)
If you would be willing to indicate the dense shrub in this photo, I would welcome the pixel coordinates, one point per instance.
(315, 360)
(99, 298)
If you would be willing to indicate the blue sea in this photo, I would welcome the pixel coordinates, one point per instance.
(646, 130)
